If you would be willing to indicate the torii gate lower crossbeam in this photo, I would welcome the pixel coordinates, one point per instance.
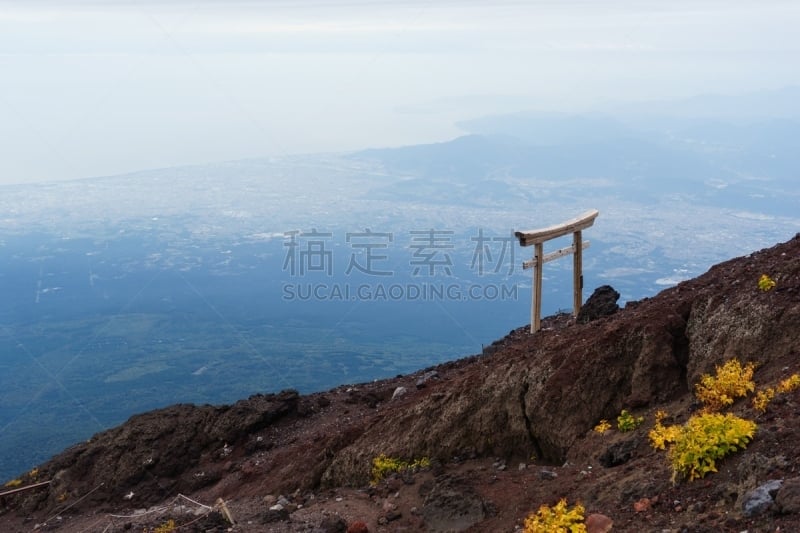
(537, 238)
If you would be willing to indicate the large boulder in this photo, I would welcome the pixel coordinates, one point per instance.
(602, 302)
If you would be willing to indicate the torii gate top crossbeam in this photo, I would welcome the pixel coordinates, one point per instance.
(536, 236)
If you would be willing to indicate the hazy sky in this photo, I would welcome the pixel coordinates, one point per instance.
(103, 87)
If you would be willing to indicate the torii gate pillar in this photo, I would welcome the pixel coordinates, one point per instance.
(537, 238)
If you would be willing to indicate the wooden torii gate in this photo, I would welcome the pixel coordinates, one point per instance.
(537, 238)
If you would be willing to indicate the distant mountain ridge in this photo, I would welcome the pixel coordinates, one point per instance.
(650, 157)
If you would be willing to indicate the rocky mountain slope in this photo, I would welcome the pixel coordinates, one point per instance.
(505, 431)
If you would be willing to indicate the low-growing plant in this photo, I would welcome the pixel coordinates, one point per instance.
(731, 381)
(13, 483)
(383, 465)
(766, 283)
(762, 398)
(660, 416)
(705, 439)
(662, 435)
(556, 519)
(602, 426)
(789, 384)
(628, 422)
(167, 527)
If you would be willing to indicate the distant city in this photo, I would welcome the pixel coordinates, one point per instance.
(210, 283)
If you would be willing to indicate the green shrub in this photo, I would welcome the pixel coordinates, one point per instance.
(627, 422)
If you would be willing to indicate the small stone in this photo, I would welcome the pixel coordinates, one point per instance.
(697, 507)
(522, 466)
(619, 453)
(323, 401)
(788, 497)
(358, 527)
(759, 500)
(642, 505)
(423, 380)
(394, 483)
(333, 524)
(276, 513)
(547, 474)
(399, 392)
(598, 523)
(388, 506)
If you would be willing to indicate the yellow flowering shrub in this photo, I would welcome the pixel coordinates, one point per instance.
(731, 381)
(695, 447)
(707, 438)
(789, 384)
(556, 519)
(662, 435)
(762, 399)
(602, 426)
